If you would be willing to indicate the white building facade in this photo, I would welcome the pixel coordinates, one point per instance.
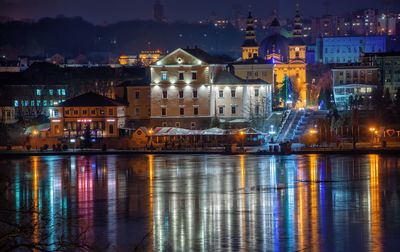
(186, 88)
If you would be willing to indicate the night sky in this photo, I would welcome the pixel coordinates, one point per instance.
(100, 11)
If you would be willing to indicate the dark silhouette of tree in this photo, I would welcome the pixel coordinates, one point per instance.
(387, 100)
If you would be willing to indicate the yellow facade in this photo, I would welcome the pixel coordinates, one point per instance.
(297, 75)
(249, 52)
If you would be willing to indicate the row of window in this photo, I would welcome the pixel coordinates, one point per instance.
(81, 127)
(180, 94)
(355, 73)
(221, 110)
(60, 92)
(87, 111)
(194, 94)
(256, 74)
(181, 75)
(36, 103)
(181, 111)
(178, 124)
(343, 91)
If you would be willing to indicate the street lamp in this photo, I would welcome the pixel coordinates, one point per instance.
(241, 133)
(372, 130)
(35, 133)
(151, 137)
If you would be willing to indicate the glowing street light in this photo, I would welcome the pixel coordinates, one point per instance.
(372, 130)
(35, 133)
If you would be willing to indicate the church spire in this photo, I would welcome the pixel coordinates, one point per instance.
(250, 32)
(297, 24)
(250, 46)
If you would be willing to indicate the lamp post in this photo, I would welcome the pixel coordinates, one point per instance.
(372, 130)
(241, 133)
(151, 138)
(35, 135)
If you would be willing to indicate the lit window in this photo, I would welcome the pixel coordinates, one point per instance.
(51, 92)
(32, 103)
(38, 92)
(16, 103)
(58, 91)
(164, 76)
(63, 92)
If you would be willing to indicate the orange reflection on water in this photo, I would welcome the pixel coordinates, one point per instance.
(302, 201)
(314, 203)
(243, 227)
(35, 215)
(374, 205)
(151, 212)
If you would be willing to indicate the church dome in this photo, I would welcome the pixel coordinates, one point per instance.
(277, 41)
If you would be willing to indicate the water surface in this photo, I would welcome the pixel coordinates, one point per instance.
(210, 202)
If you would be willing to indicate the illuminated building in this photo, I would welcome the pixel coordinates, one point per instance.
(354, 81)
(189, 88)
(237, 98)
(99, 114)
(389, 69)
(146, 58)
(350, 49)
(136, 94)
(279, 57)
(180, 88)
(128, 60)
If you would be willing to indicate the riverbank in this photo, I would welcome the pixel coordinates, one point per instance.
(248, 151)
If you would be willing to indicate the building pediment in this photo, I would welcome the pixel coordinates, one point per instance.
(179, 57)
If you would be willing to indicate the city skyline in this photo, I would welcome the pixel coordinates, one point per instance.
(177, 10)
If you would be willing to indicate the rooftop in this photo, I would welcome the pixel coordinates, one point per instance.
(91, 99)
(204, 56)
(227, 78)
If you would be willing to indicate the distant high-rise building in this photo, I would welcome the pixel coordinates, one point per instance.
(158, 9)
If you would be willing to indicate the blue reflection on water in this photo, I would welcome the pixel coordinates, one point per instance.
(161, 202)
